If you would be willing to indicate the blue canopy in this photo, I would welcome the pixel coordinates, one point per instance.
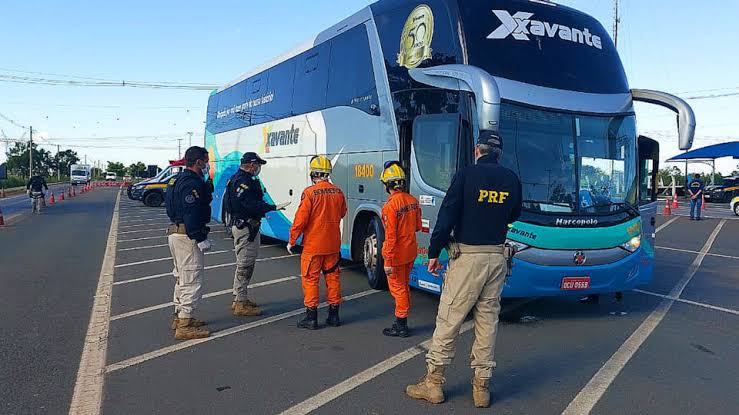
(715, 151)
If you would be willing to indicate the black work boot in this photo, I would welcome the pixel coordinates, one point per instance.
(333, 316)
(399, 328)
(310, 321)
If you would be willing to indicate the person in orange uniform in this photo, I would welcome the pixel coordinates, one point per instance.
(401, 217)
(318, 220)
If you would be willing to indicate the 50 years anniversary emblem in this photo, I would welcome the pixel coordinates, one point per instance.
(415, 42)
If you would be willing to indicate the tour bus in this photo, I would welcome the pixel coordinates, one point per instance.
(417, 81)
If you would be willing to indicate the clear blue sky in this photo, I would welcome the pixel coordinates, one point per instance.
(673, 45)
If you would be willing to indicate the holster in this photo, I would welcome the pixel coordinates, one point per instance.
(509, 251)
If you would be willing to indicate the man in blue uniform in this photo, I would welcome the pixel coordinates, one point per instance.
(246, 208)
(695, 190)
(481, 202)
(188, 200)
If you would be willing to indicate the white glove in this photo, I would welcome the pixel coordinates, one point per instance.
(282, 206)
(206, 245)
(290, 249)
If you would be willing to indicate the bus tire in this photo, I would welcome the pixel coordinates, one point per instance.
(153, 199)
(374, 237)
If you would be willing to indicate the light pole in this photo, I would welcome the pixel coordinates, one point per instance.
(190, 141)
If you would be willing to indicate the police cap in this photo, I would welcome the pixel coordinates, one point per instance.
(490, 138)
(252, 157)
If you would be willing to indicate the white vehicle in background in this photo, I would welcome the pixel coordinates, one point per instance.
(111, 176)
(80, 174)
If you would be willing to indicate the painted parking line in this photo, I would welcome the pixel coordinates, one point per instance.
(342, 388)
(695, 303)
(688, 251)
(88, 388)
(666, 224)
(169, 274)
(228, 332)
(163, 236)
(143, 225)
(209, 295)
(593, 391)
(143, 230)
(162, 215)
(139, 248)
(140, 221)
(149, 261)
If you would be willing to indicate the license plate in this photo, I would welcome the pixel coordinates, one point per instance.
(575, 283)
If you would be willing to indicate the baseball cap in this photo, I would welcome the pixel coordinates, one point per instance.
(490, 138)
(252, 157)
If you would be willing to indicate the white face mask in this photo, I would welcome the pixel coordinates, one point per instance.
(258, 171)
(206, 171)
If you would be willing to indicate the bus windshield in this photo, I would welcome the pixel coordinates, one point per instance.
(570, 163)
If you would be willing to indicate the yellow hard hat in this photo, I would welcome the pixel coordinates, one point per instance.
(320, 164)
(392, 173)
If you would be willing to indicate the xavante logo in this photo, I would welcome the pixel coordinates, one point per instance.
(280, 138)
(520, 25)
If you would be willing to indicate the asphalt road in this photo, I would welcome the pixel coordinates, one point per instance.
(13, 206)
(670, 347)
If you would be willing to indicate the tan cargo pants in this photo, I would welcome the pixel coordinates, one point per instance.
(473, 282)
(189, 269)
(246, 257)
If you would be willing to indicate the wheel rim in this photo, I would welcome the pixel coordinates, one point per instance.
(370, 253)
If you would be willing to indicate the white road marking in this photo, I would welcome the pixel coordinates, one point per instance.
(336, 391)
(695, 303)
(152, 216)
(217, 335)
(143, 231)
(138, 248)
(143, 225)
(169, 274)
(163, 236)
(140, 220)
(666, 224)
(209, 295)
(593, 391)
(687, 251)
(88, 388)
(149, 261)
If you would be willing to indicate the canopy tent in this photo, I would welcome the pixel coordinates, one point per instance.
(713, 152)
(708, 155)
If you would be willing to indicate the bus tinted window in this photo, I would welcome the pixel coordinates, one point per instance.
(435, 141)
(351, 79)
(311, 79)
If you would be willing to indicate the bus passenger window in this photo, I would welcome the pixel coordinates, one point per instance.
(435, 142)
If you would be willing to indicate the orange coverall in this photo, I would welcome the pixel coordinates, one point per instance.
(401, 217)
(318, 219)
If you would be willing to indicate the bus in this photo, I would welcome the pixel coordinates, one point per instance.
(417, 81)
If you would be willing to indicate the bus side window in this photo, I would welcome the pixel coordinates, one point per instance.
(351, 77)
(311, 80)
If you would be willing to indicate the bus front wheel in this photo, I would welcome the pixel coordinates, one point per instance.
(372, 255)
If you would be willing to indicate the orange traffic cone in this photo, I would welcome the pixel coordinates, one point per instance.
(703, 202)
(2, 220)
(74, 192)
(674, 201)
(667, 211)
(51, 199)
(61, 196)
(69, 193)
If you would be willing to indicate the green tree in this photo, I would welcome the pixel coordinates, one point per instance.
(117, 168)
(665, 174)
(65, 159)
(17, 163)
(136, 169)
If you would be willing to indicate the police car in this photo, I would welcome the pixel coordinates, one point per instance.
(735, 205)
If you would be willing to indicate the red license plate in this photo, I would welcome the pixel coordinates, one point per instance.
(575, 283)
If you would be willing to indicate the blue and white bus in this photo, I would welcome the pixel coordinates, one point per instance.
(417, 81)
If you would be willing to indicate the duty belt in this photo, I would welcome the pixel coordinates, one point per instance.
(481, 249)
(176, 229)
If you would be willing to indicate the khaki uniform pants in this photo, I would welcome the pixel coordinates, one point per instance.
(473, 282)
(189, 268)
(246, 257)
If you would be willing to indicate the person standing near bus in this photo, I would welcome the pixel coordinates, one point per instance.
(401, 218)
(246, 208)
(481, 202)
(188, 200)
(695, 189)
(318, 220)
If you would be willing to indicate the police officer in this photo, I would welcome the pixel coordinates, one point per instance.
(695, 190)
(246, 207)
(480, 204)
(188, 200)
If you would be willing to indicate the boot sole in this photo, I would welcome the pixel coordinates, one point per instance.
(424, 398)
(191, 337)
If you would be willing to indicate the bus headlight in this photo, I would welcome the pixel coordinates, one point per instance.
(518, 245)
(633, 244)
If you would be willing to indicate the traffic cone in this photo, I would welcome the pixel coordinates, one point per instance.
(667, 211)
(51, 199)
(61, 196)
(74, 192)
(703, 202)
(2, 220)
(69, 193)
(674, 201)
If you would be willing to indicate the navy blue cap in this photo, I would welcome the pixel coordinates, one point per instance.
(490, 138)
(252, 157)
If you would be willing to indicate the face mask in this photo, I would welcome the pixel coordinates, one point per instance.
(206, 171)
(258, 171)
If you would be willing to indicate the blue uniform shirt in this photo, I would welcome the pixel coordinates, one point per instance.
(246, 197)
(188, 202)
(696, 186)
(480, 203)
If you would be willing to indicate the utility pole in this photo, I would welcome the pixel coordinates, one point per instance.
(616, 21)
(179, 148)
(30, 154)
(58, 163)
(190, 141)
